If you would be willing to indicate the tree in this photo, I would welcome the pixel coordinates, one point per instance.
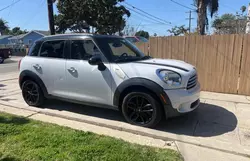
(76, 15)
(128, 30)
(142, 33)
(17, 31)
(178, 30)
(155, 34)
(203, 7)
(230, 23)
(243, 9)
(3, 27)
(63, 24)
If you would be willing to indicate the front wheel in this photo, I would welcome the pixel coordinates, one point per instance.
(32, 93)
(1, 60)
(142, 109)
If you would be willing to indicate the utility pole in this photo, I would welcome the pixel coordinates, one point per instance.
(51, 17)
(190, 20)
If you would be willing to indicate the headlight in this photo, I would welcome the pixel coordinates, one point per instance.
(170, 77)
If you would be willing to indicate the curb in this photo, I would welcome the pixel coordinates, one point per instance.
(237, 150)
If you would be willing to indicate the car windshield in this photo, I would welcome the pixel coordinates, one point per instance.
(120, 50)
(142, 39)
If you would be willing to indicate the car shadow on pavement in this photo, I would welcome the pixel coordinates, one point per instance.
(206, 121)
(84, 110)
(2, 85)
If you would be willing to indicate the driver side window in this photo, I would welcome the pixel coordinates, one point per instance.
(121, 49)
(83, 49)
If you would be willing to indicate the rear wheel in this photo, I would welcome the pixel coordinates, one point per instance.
(141, 108)
(32, 93)
(1, 60)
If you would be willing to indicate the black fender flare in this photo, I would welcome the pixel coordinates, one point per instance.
(31, 75)
(145, 83)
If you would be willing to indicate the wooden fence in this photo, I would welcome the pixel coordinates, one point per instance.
(222, 61)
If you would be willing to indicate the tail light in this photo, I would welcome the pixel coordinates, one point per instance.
(19, 63)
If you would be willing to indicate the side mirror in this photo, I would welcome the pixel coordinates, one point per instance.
(95, 60)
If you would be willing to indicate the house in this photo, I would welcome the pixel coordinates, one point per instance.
(4, 39)
(28, 38)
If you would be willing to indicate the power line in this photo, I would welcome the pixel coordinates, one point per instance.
(226, 6)
(146, 16)
(143, 18)
(148, 13)
(150, 24)
(182, 5)
(38, 12)
(9, 5)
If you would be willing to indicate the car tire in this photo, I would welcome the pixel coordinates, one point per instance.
(32, 93)
(142, 109)
(1, 60)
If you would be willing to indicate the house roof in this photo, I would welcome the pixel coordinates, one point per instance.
(43, 33)
(5, 36)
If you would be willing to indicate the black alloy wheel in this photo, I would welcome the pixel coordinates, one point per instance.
(141, 109)
(32, 93)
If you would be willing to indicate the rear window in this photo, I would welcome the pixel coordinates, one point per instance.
(34, 50)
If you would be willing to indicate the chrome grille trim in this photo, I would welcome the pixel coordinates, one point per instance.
(192, 82)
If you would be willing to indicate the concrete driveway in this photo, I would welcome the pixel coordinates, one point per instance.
(218, 130)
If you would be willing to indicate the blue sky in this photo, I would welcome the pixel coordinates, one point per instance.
(32, 14)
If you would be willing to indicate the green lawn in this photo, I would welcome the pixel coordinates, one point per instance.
(24, 139)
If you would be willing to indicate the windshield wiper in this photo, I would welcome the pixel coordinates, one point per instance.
(146, 57)
(126, 59)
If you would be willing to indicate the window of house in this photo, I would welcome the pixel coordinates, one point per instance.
(29, 41)
(83, 49)
(53, 49)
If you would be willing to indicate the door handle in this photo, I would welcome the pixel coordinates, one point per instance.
(37, 67)
(73, 70)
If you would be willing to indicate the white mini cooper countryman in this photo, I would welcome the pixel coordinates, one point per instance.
(109, 72)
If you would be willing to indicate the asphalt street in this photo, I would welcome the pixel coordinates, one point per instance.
(10, 65)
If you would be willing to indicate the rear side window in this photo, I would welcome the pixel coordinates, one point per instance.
(53, 49)
(34, 50)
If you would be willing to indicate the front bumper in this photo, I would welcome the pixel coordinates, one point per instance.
(183, 100)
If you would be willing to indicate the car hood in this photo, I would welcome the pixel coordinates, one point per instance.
(148, 69)
(169, 63)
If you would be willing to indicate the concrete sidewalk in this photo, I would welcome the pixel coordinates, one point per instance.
(218, 130)
(9, 76)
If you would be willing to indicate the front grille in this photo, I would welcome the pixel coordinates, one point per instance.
(192, 82)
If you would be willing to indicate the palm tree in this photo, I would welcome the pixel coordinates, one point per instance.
(3, 26)
(203, 7)
(243, 9)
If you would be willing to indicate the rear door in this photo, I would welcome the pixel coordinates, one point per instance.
(50, 66)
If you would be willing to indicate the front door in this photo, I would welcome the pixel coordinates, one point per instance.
(85, 82)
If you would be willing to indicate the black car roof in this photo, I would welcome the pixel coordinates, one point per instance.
(73, 36)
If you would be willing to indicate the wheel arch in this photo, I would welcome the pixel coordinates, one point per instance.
(141, 84)
(29, 75)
